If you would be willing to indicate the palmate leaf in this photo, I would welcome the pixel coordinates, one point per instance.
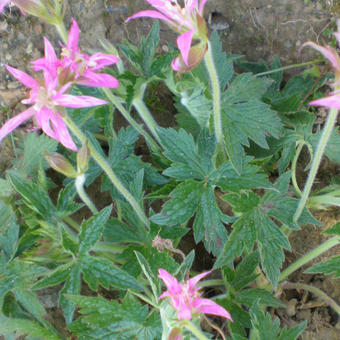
(106, 320)
(264, 328)
(331, 266)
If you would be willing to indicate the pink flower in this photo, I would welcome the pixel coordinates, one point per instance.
(186, 298)
(188, 21)
(78, 67)
(46, 96)
(331, 54)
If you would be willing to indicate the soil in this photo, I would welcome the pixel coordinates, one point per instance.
(254, 28)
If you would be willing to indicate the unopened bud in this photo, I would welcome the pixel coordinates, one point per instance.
(175, 334)
(83, 157)
(60, 164)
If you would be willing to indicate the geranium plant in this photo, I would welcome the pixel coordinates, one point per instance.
(224, 175)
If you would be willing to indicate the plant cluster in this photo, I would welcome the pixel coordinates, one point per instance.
(225, 174)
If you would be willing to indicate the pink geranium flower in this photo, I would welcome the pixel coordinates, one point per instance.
(78, 67)
(331, 54)
(187, 20)
(186, 298)
(46, 96)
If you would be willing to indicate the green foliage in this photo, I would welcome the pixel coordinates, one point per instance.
(103, 319)
(331, 266)
(264, 328)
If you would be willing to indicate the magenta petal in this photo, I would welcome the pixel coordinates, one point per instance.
(15, 121)
(89, 78)
(328, 52)
(184, 313)
(192, 282)
(73, 37)
(69, 100)
(100, 60)
(208, 306)
(184, 44)
(149, 14)
(3, 3)
(201, 7)
(170, 282)
(44, 116)
(22, 77)
(176, 64)
(331, 101)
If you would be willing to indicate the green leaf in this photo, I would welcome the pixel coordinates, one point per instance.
(247, 118)
(72, 286)
(148, 48)
(244, 273)
(185, 266)
(68, 243)
(243, 202)
(264, 328)
(102, 319)
(99, 270)
(54, 277)
(250, 178)
(91, 230)
(9, 231)
(182, 204)
(328, 267)
(66, 205)
(334, 230)
(208, 224)
(26, 327)
(32, 153)
(181, 150)
(248, 296)
(35, 196)
(117, 231)
(251, 227)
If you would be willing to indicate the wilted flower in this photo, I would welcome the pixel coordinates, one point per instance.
(331, 54)
(186, 298)
(78, 67)
(189, 22)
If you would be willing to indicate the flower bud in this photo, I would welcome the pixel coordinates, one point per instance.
(83, 157)
(60, 164)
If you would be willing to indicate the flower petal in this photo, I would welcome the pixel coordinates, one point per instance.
(201, 7)
(69, 100)
(331, 101)
(15, 121)
(170, 281)
(73, 38)
(23, 77)
(149, 14)
(192, 282)
(3, 4)
(208, 306)
(100, 60)
(89, 78)
(328, 52)
(184, 44)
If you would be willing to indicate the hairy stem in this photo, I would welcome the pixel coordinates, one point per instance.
(145, 114)
(216, 93)
(79, 184)
(108, 170)
(194, 330)
(116, 102)
(316, 291)
(326, 133)
(309, 256)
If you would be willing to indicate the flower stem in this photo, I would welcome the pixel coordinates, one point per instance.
(309, 256)
(62, 31)
(316, 61)
(194, 330)
(115, 101)
(326, 133)
(216, 93)
(145, 114)
(316, 291)
(79, 183)
(108, 170)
